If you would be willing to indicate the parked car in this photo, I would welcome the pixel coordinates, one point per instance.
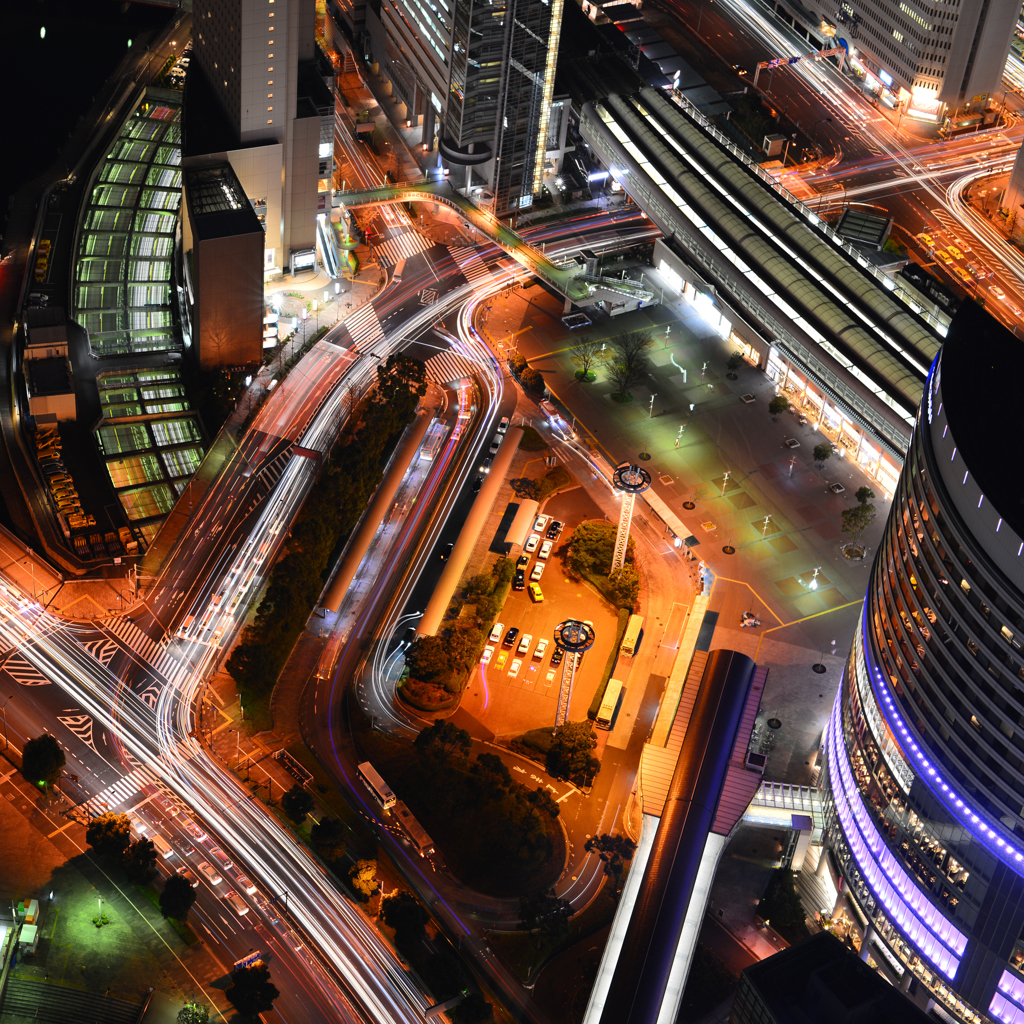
(524, 643)
(540, 649)
(540, 522)
(532, 542)
(495, 634)
(519, 580)
(510, 636)
(554, 529)
(545, 549)
(485, 657)
(538, 571)
(514, 668)
(522, 562)
(446, 551)
(557, 655)
(536, 594)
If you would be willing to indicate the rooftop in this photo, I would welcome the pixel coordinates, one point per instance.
(48, 376)
(218, 205)
(821, 981)
(982, 365)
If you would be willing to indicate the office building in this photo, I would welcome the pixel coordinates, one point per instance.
(256, 98)
(223, 243)
(936, 57)
(819, 980)
(923, 780)
(479, 76)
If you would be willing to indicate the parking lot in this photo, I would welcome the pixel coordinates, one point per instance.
(508, 705)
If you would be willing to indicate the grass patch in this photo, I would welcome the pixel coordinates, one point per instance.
(554, 480)
(531, 441)
(622, 399)
(620, 632)
(519, 949)
(586, 376)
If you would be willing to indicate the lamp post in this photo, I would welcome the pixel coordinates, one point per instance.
(650, 411)
(725, 481)
(3, 708)
(700, 15)
(764, 529)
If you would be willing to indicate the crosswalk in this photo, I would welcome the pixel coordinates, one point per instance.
(400, 246)
(129, 788)
(364, 326)
(272, 473)
(23, 673)
(473, 268)
(447, 367)
(163, 661)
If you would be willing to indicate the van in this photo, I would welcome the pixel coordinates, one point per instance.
(221, 857)
(495, 444)
(240, 906)
(162, 846)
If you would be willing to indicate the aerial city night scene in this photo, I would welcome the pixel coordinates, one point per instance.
(506, 513)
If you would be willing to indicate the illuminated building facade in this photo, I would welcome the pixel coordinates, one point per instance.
(924, 764)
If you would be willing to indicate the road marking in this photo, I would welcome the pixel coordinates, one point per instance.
(58, 831)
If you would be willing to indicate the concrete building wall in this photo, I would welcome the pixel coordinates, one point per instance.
(300, 198)
(260, 172)
(228, 316)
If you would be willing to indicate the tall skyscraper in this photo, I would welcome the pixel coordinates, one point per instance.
(944, 55)
(924, 765)
(256, 63)
(482, 72)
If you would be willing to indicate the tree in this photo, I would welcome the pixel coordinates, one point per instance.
(614, 851)
(362, 875)
(624, 586)
(546, 914)
(443, 740)
(139, 859)
(781, 903)
(474, 1009)
(193, 1013)
(177, 898)
(328, 836)
(251, 990)
(517, 362)
(401, 383)
(591, 548)
(109, 835)
(570, 755)
(403, 912)
(631, 365)
(822, 453)
(584, 352)
(542, 802)
(856, 520)
(734, 362)
(297, 803)
(42, 760)
(864, 495)
(778, 405)
(532, 380)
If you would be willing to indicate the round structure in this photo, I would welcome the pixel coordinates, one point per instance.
(923, 782)
(631, 479)
(575, 636)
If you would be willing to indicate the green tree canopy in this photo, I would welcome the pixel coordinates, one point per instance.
(864, 495)
(778, 405)
(735, 361)
(624, 586)
(42, 760)
(570, 754)
(177, 897)
(401, 383)
(109, 835)
(252, 991)
(532, 380)
(822, 452)
(362, 875)
(614, 851)
(193, 1013)
(445, 659)
(591, 548)
(139, 859)
(328, 836)
(297, 803)
(856, 520)
(403, 912)
(631, 365)
(546, 914)
(444, 741)
(543, 802)
(517, 361)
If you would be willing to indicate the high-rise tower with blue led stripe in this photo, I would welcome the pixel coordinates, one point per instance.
(924, 752)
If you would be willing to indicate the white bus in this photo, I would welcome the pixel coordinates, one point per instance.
(610, 705)
(414, 830)
(433, 441)
(634, 628)
(376, 785)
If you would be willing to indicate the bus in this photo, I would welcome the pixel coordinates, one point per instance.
(376, 785)
(414, 830)
(631, 640)
(433, 441)
(610, 705)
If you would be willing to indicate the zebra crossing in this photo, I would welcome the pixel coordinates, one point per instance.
(272, 473)
(364, 326)
(400, 246)
(166, 663)
(473, 268)
(448, 366)
(23, 673)
(126, 789)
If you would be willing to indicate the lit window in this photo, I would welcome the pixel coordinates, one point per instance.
(271, 29)
(270, 69)
(965, 586)
(270, 82)
(270, 108)
(270, 120)
(270, 95)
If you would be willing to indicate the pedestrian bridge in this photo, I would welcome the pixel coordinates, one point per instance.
(569, 280)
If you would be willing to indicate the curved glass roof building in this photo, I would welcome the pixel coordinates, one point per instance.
(924, 766)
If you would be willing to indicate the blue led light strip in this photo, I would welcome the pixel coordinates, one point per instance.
(924, 934)
(992, 834)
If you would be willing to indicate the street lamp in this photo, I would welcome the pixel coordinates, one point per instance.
(725, 481)
(701, 15)
(650, 412)
(3, 708)
(764, 529)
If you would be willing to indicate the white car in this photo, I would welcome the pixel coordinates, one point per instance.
(531, 544)
(138, 824)
(486, 656)
(514, 668)
(499, 628)
(997, 291)
(239, 905)
(538, 571)
(545, 549)
(540, 649)
(524, 643)
(210, 873)
(245, 885)
(540, 522)
(503, 425)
